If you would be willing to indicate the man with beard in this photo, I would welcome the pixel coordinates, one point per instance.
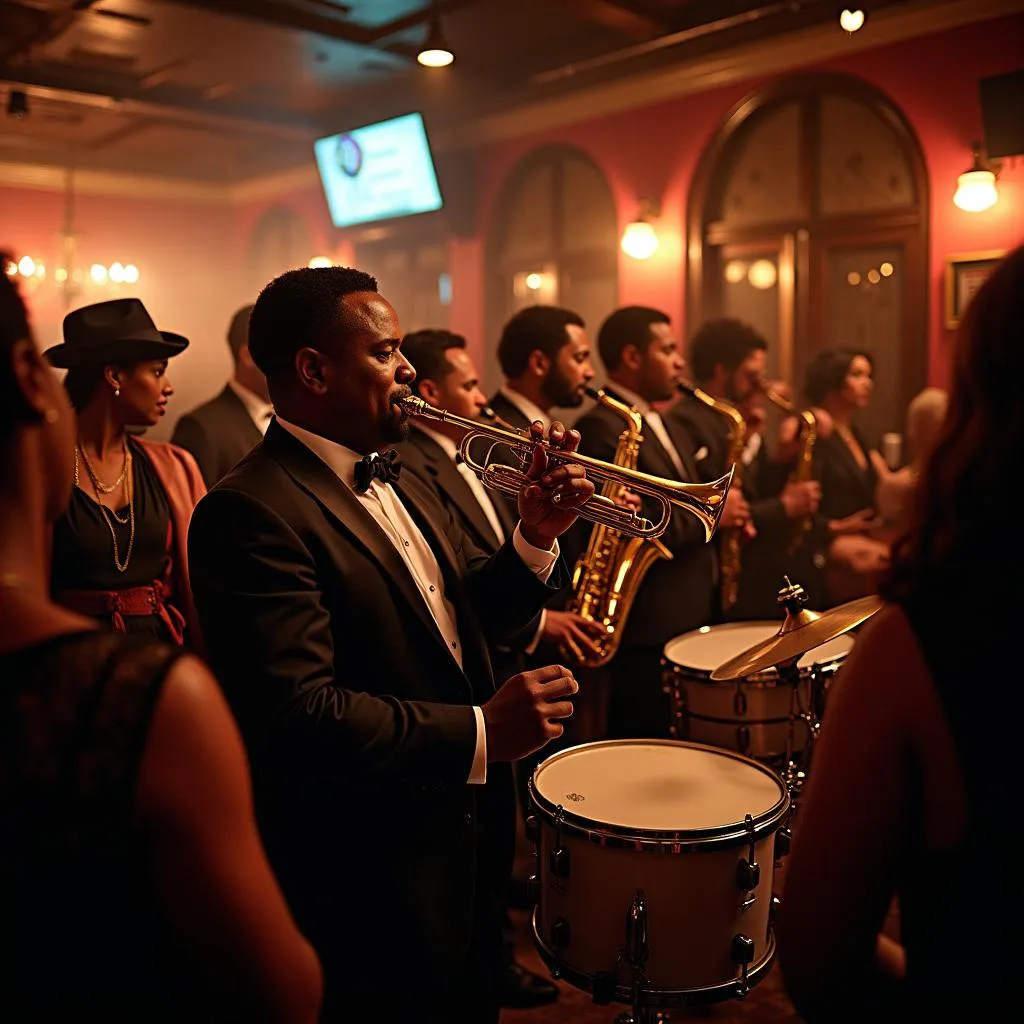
(349, 619)
(728, 359)
(545, 358)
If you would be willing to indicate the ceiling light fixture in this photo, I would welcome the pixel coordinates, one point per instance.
(976, 187)
(851, 21)
(17, 104)
(435, 53)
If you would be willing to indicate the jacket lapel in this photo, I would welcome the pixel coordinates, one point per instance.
(449, 480)
(317, 479)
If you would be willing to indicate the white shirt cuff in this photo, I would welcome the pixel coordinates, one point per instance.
(540, 562)
(478, 773)
(532, 645)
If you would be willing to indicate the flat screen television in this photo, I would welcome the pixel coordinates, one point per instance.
(378, 172)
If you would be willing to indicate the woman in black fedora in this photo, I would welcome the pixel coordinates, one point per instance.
(119, 551)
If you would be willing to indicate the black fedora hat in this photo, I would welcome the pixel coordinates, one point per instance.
(120, 330)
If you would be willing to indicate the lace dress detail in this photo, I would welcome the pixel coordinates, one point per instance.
(80, 926)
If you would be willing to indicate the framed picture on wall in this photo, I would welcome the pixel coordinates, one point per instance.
(965, 274)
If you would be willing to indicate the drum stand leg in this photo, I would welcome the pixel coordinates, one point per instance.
(636, 953)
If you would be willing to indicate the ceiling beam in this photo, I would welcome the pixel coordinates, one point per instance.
(319, 19)
(166, 104)
(621, 16)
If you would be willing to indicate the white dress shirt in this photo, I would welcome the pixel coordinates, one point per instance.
(653, 419)
(525, 406)
(260, 411)
(384, 504)
(483, 497)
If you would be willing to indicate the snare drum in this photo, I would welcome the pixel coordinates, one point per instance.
(655, 860)
(750, 715)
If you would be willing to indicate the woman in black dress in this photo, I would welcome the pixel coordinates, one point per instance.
(119, 551)
(133, 883)
(841, 559)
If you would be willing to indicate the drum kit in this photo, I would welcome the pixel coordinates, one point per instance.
(655, 858)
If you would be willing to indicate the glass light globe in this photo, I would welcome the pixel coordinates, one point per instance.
(851, 21)
(639, 240)
(975, 191)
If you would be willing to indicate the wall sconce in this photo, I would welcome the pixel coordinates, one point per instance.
(639, 239)
(319, 262)
(851, 21)
(976, 187)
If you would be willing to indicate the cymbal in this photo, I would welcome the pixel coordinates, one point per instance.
(801, 632)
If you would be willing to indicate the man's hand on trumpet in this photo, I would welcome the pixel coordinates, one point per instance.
(550, 501)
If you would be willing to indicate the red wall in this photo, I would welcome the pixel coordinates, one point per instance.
(186, 255)
(653, 152)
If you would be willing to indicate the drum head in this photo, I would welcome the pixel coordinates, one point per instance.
(706, 648)
(658, 786)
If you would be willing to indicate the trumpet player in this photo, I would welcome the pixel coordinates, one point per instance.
(348, 617)
(728, 360)
(644, 363)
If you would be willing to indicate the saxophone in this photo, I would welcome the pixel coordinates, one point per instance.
(730, 548)
(608, 574)
(804, 469)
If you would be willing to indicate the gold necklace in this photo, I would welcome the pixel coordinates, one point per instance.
(101, 487)
(109, 513)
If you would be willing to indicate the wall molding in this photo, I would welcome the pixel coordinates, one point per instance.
(741, 63)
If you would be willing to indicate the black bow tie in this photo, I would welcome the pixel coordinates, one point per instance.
(385, 467)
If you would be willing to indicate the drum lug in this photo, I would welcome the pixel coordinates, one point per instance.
(742, 739)
(559, 863)
(783, 841)
(776, 909)
(742, 955)
(739, 702)
(560, 936)
(533, 889)
(748, 871)
(532, 828)
(637, 949)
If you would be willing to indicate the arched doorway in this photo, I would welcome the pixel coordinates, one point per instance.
(808, 218)
(553, 240)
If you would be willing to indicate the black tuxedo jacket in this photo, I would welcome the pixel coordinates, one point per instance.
(357, 719)
(219, 433)
(429, 461)
(678, 595)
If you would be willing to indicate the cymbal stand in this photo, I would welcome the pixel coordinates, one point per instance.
(793, 774)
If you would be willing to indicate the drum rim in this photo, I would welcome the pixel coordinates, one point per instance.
(656, 998)
(675, 840)
(766, 677)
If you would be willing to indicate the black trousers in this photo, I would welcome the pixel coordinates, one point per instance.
(638, 707)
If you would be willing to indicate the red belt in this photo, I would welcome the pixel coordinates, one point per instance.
(149, 600)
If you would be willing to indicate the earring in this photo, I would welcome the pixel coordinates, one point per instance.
(117, 391)
(50, 416)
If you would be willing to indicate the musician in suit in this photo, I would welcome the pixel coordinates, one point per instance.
(645, 363)
(545, 358)
(728, 360)
(447, 378)
(348, 617)
(222, 431)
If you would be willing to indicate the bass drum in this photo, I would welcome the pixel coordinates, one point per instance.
(749, 715)
(655, 862)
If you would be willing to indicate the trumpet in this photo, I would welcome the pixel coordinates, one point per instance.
(705, 501)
